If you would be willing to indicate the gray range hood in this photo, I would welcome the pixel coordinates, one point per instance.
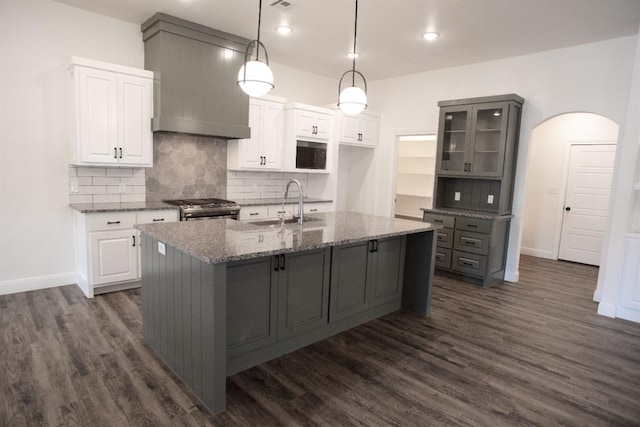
(196, 70)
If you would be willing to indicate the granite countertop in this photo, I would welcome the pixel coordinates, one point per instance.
(120, 207)
(470, 214)
(278, 201)
(224, 240)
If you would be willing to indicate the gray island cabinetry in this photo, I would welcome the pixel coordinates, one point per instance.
(221, 296)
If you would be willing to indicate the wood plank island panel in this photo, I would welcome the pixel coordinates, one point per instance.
(531, 354)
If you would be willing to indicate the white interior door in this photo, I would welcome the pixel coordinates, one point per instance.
(586, 202)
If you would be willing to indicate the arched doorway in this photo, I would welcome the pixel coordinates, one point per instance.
(569, 159)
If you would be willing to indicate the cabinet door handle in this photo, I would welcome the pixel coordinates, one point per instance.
(282, 262)
(121, 152)
(276, 262)
(359, 137)
(113, 222)
(158, 219)
(115, 152)
(134, 240)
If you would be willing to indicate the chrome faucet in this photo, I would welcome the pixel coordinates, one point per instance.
(300, 204)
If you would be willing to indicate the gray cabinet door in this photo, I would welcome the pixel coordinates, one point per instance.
(303, 291)
(349, 287)
(454, 140)
(386, 269)
(488, 139)
(251, 305)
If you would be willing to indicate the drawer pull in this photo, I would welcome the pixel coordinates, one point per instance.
(439, 256)
(471, 242)
(468, 262)
(158, 219)
(253, 213)
(442, 237)
(113, 222)
(472, 226)
(313, 210)
(437, 220)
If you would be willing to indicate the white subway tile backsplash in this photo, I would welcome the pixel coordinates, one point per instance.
(106, 198)
(87, 171)
(98, 180)
(92, 189)
(132, 198)
(102, 184)
(261, 185)
(133, 180)
(123, 172)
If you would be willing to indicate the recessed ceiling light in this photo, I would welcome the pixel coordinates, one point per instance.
(430, 35)
(352, 55)
(284, 30)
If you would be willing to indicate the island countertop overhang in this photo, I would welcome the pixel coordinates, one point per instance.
(226, 240)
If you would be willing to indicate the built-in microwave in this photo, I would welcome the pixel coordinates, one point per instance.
(311, 155)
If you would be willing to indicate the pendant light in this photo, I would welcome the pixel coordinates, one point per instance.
(353, 100)
(255, 77)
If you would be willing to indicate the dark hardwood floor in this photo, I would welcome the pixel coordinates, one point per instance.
(531, 354)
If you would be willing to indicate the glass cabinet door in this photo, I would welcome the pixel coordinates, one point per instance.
(488, 136)
(454, 134)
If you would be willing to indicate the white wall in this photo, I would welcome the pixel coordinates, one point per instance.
(621, 206)
(38, 38)
(589, 78)
(547, 169)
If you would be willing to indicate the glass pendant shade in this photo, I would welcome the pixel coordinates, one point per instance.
(255, 78)
(352, 100)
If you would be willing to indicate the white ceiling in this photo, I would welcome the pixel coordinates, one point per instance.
(389, 30)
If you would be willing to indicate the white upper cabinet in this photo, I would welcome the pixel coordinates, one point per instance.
(113, 109)
(263, 150)
(312, 125)
(360, 130)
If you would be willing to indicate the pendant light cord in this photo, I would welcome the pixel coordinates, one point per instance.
(355, 36)
(259, 22)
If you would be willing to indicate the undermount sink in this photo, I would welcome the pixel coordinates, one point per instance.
(286, 221)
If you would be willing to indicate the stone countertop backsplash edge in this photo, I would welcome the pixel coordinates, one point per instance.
(466, 213)
(276, 201)
(86, 208)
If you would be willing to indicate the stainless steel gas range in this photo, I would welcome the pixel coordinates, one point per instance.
(192, 209)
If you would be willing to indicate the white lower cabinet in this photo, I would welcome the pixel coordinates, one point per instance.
(629, 296)
(114, 256)
(260, 212)
(108, 248)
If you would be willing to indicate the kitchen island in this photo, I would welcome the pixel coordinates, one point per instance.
(221, 296)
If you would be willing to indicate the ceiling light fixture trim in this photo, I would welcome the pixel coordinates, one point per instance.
(430, 35)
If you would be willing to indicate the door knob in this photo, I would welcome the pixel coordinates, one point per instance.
(567, 208)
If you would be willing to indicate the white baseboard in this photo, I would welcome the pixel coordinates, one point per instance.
(539, 253)
(608, 310)
(628, 314)
(512, 276)
(38, 282)
(597, 295)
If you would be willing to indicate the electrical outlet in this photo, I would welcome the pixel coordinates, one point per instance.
(490, 199)
(456, 196)
(162, 248)
(122, 187)
(74, 186)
